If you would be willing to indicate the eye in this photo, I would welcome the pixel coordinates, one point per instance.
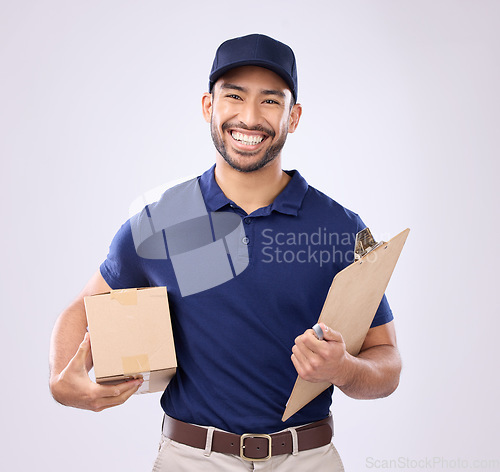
(271, 101)
(233, 95)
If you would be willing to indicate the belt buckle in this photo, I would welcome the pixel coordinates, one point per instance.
(242, 447)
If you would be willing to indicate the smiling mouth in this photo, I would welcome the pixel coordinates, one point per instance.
(247, 139)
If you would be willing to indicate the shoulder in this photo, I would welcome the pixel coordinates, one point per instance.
(166, 196)
(316, 201)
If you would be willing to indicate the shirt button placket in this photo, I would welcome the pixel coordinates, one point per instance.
(246, 239)
(248, 236)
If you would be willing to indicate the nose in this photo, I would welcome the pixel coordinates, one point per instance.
(250, 114)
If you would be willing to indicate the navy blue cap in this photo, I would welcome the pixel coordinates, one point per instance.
(256, 50)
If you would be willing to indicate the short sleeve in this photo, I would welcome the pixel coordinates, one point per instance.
(383, 314)
(123, 267)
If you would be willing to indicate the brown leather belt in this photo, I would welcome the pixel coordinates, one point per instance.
(251, 447)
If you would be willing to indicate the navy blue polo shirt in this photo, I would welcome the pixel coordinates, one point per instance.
(234, 339)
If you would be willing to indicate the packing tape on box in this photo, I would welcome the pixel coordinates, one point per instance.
(125, 297)
(135, 364)
(144, 388)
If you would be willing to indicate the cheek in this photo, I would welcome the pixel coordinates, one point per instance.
(216, 122)
(283, 126)
(223, 110)
(221, 116)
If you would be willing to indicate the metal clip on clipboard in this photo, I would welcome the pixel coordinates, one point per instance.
(365, 244)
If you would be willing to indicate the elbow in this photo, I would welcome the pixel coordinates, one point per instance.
(389, 378)
(392, 387)
(53, 389)
(395, 378)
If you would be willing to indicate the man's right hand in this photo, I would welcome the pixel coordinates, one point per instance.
(73, 386)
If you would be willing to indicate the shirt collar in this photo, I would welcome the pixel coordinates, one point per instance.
(287, 202)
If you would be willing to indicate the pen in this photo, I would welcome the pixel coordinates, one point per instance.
(318, 331)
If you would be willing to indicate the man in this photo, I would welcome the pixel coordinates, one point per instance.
(235, 335)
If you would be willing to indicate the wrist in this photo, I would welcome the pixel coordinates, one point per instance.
(346, 371)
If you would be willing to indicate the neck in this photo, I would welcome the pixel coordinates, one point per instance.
(251, 190)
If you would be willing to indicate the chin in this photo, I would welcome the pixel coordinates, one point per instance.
(247, 167)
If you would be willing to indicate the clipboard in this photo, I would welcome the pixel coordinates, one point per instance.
(351, 304)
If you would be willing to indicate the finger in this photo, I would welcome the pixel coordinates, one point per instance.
(300, 362)
(305, 360)
(330, 334)
(304, 366)
(122, 398)
(114, 395)
(307, 336)
(115, 391)
(301, 354)
(310, 341)
(296, 363)
(308, 344)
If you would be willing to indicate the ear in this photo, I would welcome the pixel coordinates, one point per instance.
(206, 106)
(294, 119)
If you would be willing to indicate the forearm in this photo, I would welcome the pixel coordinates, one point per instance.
(67, 335)
(374, 373)
(71, 326)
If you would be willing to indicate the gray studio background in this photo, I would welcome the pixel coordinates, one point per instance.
(100, 102)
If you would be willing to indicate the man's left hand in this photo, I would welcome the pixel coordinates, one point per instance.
(321, 361)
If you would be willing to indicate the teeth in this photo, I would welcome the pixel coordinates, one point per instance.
(245, 139)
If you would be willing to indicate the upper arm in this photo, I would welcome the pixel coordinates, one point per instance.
(122, 267)
(96, 284)
(380, 335)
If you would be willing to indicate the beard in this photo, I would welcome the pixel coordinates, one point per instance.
(271, 153)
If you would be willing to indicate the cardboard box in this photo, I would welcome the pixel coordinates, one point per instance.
(131, 337)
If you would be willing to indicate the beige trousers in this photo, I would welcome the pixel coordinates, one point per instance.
(176, 457)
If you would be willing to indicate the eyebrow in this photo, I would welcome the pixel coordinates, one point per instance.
(229, 86)
(279, 93)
